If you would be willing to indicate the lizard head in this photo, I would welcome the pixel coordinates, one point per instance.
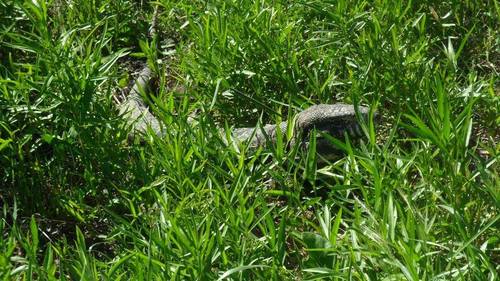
(334, 120)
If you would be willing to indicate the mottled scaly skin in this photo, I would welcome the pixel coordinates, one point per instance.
(333, 119)
(134, 109)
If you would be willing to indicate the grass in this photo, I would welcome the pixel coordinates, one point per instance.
(417, 199)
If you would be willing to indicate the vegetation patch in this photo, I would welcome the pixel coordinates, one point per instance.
(416, 198)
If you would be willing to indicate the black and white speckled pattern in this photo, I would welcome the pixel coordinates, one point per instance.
(135, 110)
(332, 119)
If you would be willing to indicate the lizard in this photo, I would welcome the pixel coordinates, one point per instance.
(333, 119)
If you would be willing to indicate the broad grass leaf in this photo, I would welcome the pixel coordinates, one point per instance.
(318, 248)
(228, 273)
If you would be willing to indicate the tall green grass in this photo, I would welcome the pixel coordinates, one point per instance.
(416, 199)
